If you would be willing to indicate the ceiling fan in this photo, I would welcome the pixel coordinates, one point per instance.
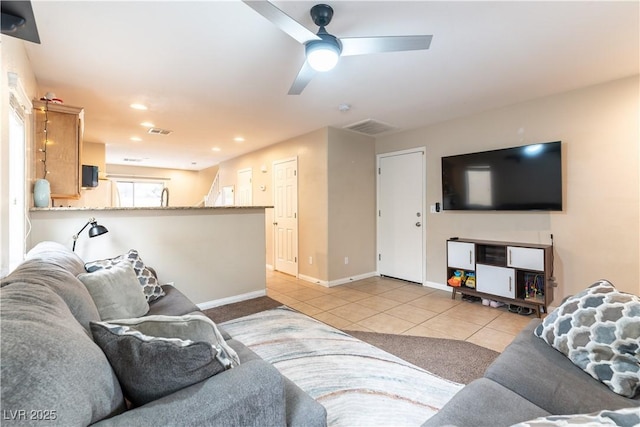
(323, 50)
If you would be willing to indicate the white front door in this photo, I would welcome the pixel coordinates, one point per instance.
(401, 236)
(285, 217)
(244, 195)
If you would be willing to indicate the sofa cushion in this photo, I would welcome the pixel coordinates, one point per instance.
(57, 254)
(173, 303)
(155, 356)
(627, 417)
(116, 292)
(250, 395)
(558, 386)
(53, 266)
(485, 403)
(598, 329)
(147, 278)
(50, 363)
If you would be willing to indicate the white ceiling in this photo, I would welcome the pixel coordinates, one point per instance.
(212, 70)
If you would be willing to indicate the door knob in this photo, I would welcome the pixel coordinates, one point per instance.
(418, 224)
(275, 223)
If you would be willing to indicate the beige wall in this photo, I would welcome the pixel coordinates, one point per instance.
(94, 154)
(352, 204)
(186, 188)
(213, 256)
(597, 234)
(13, 59)
(311, 151)
(336, 200)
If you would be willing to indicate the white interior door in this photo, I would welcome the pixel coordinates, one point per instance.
(285, 221)
(244, 194)
(401, 236)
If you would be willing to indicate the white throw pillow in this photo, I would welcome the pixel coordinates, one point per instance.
(116, 292)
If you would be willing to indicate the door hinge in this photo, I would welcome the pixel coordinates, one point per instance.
(379, 171)
(295, 173)
(379, 257)
(295, 215)
(295, 259)
(379, 213)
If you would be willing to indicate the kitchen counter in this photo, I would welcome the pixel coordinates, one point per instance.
(153, 208)
(214, 255)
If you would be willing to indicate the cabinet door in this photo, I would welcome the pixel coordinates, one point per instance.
(493, 280)
(63, 150)
(461, 255)
(526, 258)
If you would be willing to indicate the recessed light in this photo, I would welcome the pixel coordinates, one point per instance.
(147, 124)
(215, 149)
(139, 107)
(135, 138)
(238, 139)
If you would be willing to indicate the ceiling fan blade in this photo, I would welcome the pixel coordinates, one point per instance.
(282, 21)
(302, 79)
(364, 45)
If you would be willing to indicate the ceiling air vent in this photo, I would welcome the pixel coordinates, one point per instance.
(158, 131)
(370, 127)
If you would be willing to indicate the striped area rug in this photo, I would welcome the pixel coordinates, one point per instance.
(358, 384)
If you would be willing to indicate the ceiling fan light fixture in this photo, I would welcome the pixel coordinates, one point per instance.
(323, 55)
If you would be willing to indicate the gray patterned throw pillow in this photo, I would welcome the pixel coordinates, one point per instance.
(627, 417)
(148, 280)
(598, 329)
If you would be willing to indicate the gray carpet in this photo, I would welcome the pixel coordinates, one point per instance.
(455, 360)
(240, 309)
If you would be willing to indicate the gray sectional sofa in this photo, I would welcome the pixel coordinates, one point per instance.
(53, 373)
(531, 379)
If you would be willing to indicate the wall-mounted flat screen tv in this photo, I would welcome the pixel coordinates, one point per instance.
(511, 179)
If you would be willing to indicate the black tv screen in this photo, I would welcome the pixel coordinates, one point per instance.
(511, 179)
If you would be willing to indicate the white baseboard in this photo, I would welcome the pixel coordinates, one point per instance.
(352, 279)
(436, 285)
(270, 267)
(230, 300)
(313, 280)
(331, 283)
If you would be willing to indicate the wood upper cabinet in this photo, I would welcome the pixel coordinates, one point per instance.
(65, 128)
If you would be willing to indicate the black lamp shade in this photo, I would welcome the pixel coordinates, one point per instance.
(97, 229)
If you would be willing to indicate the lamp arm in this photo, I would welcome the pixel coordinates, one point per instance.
(75, 236)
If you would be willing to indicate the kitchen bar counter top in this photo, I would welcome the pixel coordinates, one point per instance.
(152, 208)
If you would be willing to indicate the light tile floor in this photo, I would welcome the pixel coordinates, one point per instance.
(392, 306)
